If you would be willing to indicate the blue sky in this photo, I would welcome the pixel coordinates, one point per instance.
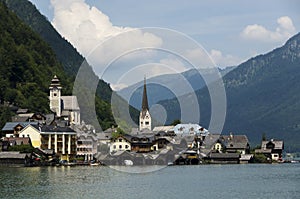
(229, 31)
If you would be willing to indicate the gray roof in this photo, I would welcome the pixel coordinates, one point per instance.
(110, 130)
(263, 150)
(163, 128)
(18, 118)
(49, 118)
(136, 132)
(56, 129)
(104, 136)
(235, 141)
(9, 126)
(224, 155)
(86, 136)
(17, 140)
(210, 140)
(278, 144)
(22, 110)
(12, 155)
(69, 103)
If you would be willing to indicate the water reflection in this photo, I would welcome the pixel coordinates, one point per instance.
(205, 181)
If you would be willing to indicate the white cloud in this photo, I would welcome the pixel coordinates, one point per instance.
(90, 30)
(204, 59)
(87, 27)
(224, 60)
(284, 30)
(199, 58)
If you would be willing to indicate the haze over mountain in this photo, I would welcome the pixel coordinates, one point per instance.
(262, 97)
(170, 85)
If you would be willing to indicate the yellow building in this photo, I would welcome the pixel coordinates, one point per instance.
(62, 140)
(34, 134)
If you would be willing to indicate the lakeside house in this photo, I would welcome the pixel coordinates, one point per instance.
(272, 149)
(12, 129)
(14, 157)
(62, 140)
(87, 141)
(120, 143)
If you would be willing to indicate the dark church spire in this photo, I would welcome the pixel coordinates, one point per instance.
(145, 98)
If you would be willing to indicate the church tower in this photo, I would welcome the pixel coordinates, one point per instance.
(145, 117)
(55, 96)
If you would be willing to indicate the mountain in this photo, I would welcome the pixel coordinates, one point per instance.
(64, 51)
(28, 13)
(27, 64)
(168, 86)
(262, 97)
(71, 61)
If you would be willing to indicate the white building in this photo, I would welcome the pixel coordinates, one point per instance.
(62, 140)
(121, 143)
(86, 141)
(65, 107)
(190, 129)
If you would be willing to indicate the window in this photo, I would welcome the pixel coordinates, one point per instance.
(120, 146)
(55, 94)
(115, 147)
(126, 146)
(147, 123)
(120, 140)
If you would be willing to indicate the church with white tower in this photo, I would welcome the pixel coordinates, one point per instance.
(65, 107)
(145, 117)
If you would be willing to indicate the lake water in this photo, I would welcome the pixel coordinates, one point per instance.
(201, 181)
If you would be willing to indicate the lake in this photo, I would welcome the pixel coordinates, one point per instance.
(201, 181)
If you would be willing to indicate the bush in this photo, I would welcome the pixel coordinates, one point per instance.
(260, 158)
(21, 148)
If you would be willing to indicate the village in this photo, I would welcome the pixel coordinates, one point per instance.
(62, 138)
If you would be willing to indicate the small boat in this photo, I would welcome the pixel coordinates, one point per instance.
(95, 164)
(170, 163)
(128, 162)
(294, 161)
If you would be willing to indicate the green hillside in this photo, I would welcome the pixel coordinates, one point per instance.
(70, 59)
(27, 66)
(262, 97)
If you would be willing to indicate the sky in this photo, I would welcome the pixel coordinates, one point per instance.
(129, 39)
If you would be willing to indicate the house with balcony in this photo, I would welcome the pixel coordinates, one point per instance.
(120, 143)
(86, 141)
(272, 149)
